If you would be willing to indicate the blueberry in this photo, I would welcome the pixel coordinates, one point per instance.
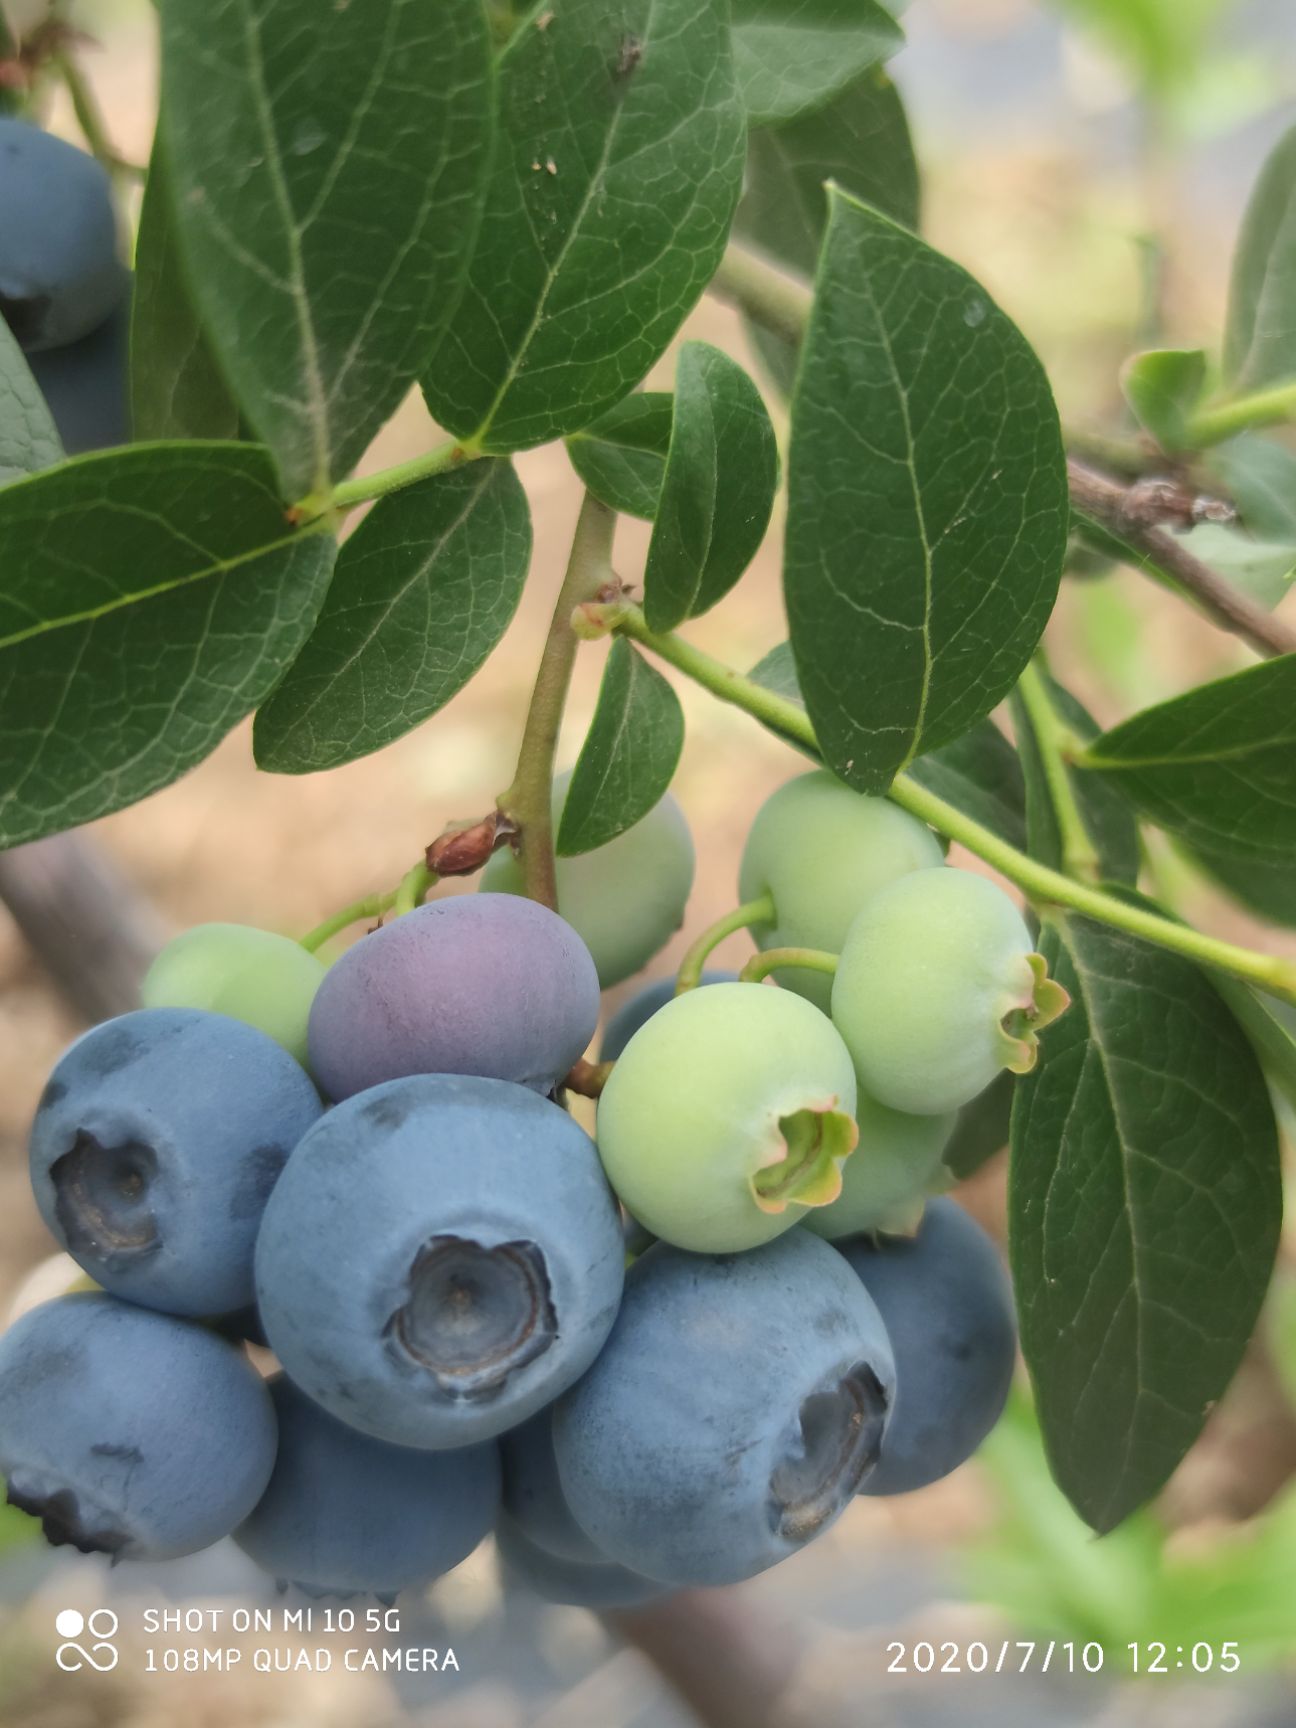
(130, 1433)
(347, 1515)
(441, 1257)
(268, 981)
(574, 1583)
(626, 899)
(727, 1115)
(821, 851)
(533, 1497)
(479, 984)
(947, 1304)
(736, 1408)
(155, 1146)
(59, 273)
(641, 1007)
(86, 385)
(898, 1161)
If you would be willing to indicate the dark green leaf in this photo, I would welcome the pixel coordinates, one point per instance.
(1145, 1203)
(927, 501)
(423, 591)
(327, 164)
(177, 390)
(718, 490)
(1163, 387)
(1260, 338)
(794, 55)
(622, 456)
(1108, 820)
(1271, 1027)
(1257, 568)
(861, 142)
(628, 759)
(1217, 766)
(28, 439)
(1260, 476)
(981, 1129)
(1269, 889)
(614, 183)
(152, 597)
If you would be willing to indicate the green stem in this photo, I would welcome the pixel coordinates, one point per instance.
(372, 906)
(1053, 740)
(1272, 407)
(414, 885)
(367, 487)
(741, 918)
(89, 117)
(777, 302)
(778, 959)
(1041, 885)
(528, 801)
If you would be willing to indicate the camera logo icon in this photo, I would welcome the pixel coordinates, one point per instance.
(101, 1626)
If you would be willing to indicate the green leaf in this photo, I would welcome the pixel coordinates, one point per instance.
(1269, 889)
(1163, 387)
(718, 490)
(327, 165)
(794, 55)
(1144, 1203)
(153, 596)
(927, 501)
(1271, 1027)
(28, 439)
(1260, 337)
(1260, 477)
(1217, 766)
(1108, 820)
(615, 178)
(423, 591)
(981, 1129)
(861, 142)
(1260, 569)
(629, 757)
(177, 390)
(621, 458)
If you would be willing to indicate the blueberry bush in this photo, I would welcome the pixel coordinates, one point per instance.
(669, 1353)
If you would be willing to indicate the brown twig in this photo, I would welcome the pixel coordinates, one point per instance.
(588, 1078)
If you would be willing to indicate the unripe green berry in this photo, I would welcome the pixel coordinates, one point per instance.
(938, 990)
(256, 976)
(626, 899)
(727, 1115)
(821, 851)
(886, 1180)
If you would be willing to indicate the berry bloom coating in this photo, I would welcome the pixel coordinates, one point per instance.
(947, 1304)
(265, 980)
(59, 272)
(155, 1146)
(641, 1007)
(348, 1515)
(727, 1115)
(441, 1257)
(738, 1405)
(130, 1433)
(821, 851)
(533, 1497)
(479, 984)
(938, 990)
(85, 385)
(574, 1583)
(889, 1174)
(626, 899)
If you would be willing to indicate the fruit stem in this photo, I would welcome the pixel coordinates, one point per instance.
(408, 894)
(89, 117)
(414, 885)
(776, 959)
(1054, 740)
(528, 802)
(1043, 886)
(741, 918)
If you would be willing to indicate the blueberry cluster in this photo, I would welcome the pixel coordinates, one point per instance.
(64, 292)
(437, 1256)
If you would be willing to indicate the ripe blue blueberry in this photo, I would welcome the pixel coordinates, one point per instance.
(441, 1257)
(641, 1007)
(59, 272)
(130, 1433)
(347, 1515)
(947, 1304)
(574, 1583)
(156, 1143)
(86, 384)
(736, 1408)
(533, 1497)
(484, 984)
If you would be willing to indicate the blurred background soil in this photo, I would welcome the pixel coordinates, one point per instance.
(1041, 179)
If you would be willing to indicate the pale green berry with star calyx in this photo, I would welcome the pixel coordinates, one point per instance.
(886, 1181)
(938, 989)
(265, 980)
(728, 1116)
(821, 851)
